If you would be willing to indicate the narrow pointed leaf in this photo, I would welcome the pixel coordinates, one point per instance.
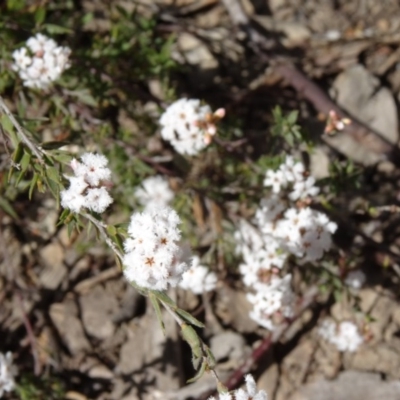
(199, 373)
(189, 318)
(157, 309)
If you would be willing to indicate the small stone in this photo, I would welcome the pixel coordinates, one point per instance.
(229, 345)
(54, 272)
(100, 371)
(350, 385)
(65, 318)
(381, 358)
(97, 307)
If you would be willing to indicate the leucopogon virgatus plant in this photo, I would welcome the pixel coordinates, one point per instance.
(283, 227)
(151, 256)
(40, 62)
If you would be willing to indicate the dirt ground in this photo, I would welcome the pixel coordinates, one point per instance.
(67, 311)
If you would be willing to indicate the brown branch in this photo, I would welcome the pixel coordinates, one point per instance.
(363, 134)
(37, 368)
(237, 376)
(313, 93)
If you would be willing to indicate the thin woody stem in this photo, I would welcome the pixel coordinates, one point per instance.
(101, 226)
(21, 132)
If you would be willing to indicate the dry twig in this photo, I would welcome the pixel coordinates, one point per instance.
(307, 88)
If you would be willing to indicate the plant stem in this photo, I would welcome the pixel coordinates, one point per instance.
(101, 226)
(21, 132)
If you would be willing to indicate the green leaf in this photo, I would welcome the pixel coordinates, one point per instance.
(9, 127)
(157, 309)
(71, 226)
(292, 117)
(85, 97)
(17, 156)
(210, 357)
(40, 15)
(119, 242)
(189, 318)
(16, 4)
(112, 231)
(53, 174)
(18, 153)
(53, 185)
(61, 157)
(33, 184)
(88, 17)
(56, 29)
(192, 338)
(25, 162)
(8, 208)
(199, 373)
(52, 145)
(164, 298)
(64, 215)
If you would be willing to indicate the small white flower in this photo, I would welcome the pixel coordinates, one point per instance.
(268, 212)
(7, 373)
(93, 168)
(41, 62)
(155, 192)
(262, 254)
(292, 170)
(272, 300)
(98, 199)
(276, 179)
(291, 177)
(355, 279)
(305, 233)
(248, 236)
(303, 189)
(21, 58)
(222, 396)
(250, 393)
(198, 278)
(344, 335)
(87, 188)
(188, 125)
(152, 253)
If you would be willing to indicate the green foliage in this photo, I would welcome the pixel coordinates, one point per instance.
(343, 175)
(38, 388)
(286, 127)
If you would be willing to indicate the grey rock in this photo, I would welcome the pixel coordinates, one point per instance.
(350, 385)
(54, 271)
(65, 318)
(97, 307)
(228, 345)
(382, 357)
(359, 92)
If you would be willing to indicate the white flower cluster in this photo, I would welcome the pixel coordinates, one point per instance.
(251, 392)
(7, 373)
(291, 175)
(344, 335)
(87, 188)
(272, 302)
(189, 126)
(41, 62)
(281, 228)
(153, 257)
(155, 192)
(198, 278)
(271, 296)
